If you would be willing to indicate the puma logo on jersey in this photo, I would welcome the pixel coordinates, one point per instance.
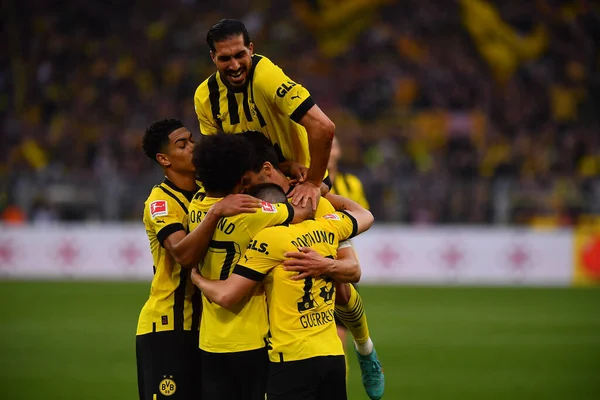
(296, 96)
(158, 208)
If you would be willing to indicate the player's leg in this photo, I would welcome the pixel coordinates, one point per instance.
(216, 381)
(332, 378)
(251, 369)
(349, 309)
(293, 380)
(141, 366)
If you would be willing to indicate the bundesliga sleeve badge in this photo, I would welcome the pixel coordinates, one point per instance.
(268, 207)
(158, 208)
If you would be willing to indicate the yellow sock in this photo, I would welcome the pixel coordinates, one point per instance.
(354, 318)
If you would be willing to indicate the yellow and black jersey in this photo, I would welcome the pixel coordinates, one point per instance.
(351, 187)
(244, 328)
(271, 103)
(174, 302)
(300, 312)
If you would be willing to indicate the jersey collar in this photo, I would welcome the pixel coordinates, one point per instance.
(189, 195)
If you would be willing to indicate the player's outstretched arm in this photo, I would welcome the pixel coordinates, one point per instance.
(225, 293)
(188, 250)
(320, 130)
(363, 217)
(308, 263)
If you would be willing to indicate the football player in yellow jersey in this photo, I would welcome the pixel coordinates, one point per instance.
(167, 330)
(344, 184)
(349, 308)
(249, 92)
(307, 358)
(233, 353)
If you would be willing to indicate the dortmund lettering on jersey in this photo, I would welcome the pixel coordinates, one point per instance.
(272, 103)
(246, 327)
(300, 312)
(174, 302)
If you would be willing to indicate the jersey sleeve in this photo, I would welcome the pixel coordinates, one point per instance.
(259, 260)
(290, 98)
(208, 125)
(270, 214)
(342, 223)
(163, 216)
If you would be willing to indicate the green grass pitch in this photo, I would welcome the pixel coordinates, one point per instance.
(75, 340)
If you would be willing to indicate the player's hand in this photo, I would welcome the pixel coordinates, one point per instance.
(196, 277)
(235, 204)
(305, 191)
(296, 171)
(308, 263)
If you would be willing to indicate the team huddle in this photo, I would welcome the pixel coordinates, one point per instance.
(252, 260)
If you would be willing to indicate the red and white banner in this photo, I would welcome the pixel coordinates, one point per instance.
(388, 254)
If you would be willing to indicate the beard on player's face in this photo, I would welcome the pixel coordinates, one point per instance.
(233, 60)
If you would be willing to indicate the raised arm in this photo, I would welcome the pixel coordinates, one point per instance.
(320, 130)
(188, 250)
(363, 217)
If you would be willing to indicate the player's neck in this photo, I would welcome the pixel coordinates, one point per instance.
(216, 195)
(183, 181)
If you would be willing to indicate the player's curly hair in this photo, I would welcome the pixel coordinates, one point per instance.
(157, 134)
(224, 29)
(221, 161)
(270, 192)
(265, 151)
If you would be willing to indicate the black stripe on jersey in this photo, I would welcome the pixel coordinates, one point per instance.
(165, 232)
(196, 309)
(174, 196)
(188, 194)
(179, 300)
(248, 273)
(354, 224)
(302, 109)
(199, 196)
(290, 214)
(246, 105)
(214, 96)
(327, 181)
(255, 60)
(232, 106)
(344, 179)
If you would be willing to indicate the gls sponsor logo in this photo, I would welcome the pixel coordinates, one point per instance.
(285, 88)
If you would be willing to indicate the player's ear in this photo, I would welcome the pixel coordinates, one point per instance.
(163, 160)
(212, 57)
(251, 48)
(267, 168)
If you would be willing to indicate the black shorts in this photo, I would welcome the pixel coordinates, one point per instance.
(235, 376)
(338, 322)
(168, 365)
(317, 378)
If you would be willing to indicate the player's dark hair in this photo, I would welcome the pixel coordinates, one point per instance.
(221, 161)
(157, 134)
(225, 29)
(270, 192)
(263, 148)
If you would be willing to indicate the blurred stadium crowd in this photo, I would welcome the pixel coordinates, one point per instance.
(450, 111)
